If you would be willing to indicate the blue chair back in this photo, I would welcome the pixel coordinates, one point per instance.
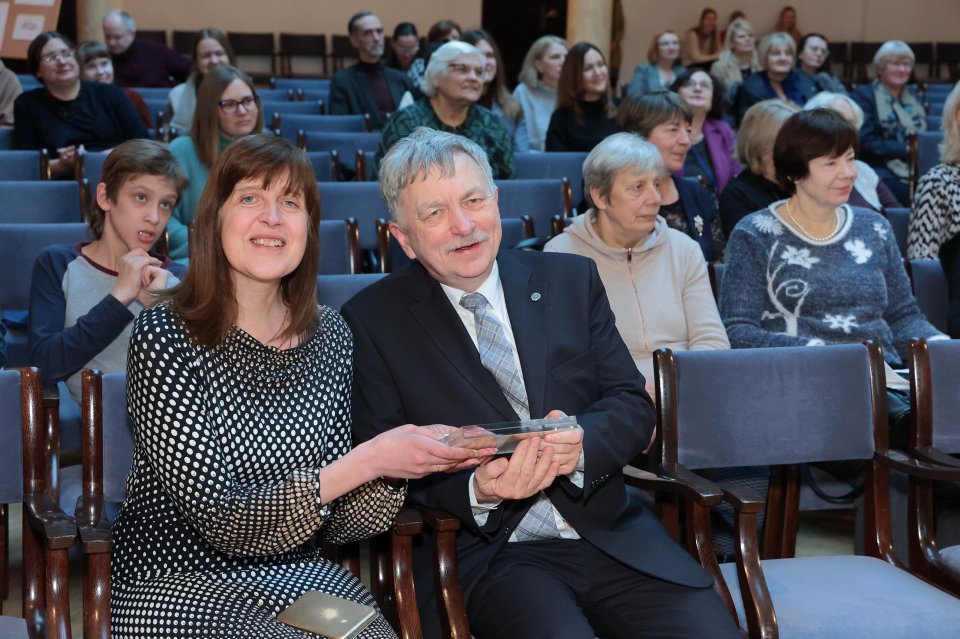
(323, 165)
(286, 107)
(945, 393)
(28, 82)
(932, 291)
(345, 144)
(929, 150)
(117, 437)
(19, 165)
(39, 202)
(900, 221)
(359, 200)
(770, 406)
(336, 255)
(540, 199)
(934, 122)
(11, 437)
(275, 95)
(301, 83)
(553, 165)
(155, 106)
(291, 124)
(6, 138)
(336, 290)
(20, 244)
(314, 95)
(153, 93)
(93, 167)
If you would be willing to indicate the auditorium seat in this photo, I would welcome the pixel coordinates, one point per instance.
(24, 165)
(339, 247)
(40, 202)
(932, 290)
(289, 126)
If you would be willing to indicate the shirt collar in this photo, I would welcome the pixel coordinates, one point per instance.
(490, 289)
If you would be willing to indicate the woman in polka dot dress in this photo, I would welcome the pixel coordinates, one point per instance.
(239, 391)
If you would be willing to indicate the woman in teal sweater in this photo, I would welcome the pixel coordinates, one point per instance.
(227, 108)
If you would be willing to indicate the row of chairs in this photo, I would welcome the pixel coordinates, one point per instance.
(855, 58)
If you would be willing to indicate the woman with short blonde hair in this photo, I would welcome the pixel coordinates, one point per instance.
(779, 78)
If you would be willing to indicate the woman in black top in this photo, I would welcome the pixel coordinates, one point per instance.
(585, 109)
(67, 112)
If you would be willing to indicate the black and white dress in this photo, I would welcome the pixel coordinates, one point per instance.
(222, 522)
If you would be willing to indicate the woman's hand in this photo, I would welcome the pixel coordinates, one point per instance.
(412, 451)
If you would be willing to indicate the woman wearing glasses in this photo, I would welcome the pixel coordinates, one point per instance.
(67, 112)
(227, 108)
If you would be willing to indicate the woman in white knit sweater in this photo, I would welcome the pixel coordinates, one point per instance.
(655, 277)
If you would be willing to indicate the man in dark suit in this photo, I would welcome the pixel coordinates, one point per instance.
(553, 544)
(369, 86)
(140, 63)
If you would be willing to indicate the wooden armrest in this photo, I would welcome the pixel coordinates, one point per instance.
(677, 480)
(96, 535)
(900, 461)
(743, 499)
(440, 520)
(57, 529)
(408, 523)
(934, 455)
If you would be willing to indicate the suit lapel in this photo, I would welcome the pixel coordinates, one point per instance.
(527, 301)
(438, 319)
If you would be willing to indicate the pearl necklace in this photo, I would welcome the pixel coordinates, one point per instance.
(810, 235)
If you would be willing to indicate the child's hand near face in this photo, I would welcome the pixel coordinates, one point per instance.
(130, 276)
(154, 278)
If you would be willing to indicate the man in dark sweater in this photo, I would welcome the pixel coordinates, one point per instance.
(140, 63)
(368, 86)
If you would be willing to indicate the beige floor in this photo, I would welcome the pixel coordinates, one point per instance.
(821, 533)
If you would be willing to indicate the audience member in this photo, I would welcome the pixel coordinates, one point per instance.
(655, 276)
(814, 61)
(228, 108)
(369, 86)
(495, 95)
(84, 298)
(211, 48)
(935, 220)
(453, 83)
(140, 63)
(712, 141)
(701, 44)
(405, 48)
(891, 113)
(779, 79)
(735, 15)
(621, 574)
(585, 109)
(444, 31)
(663, 68)
(787, 23)
(537, 90)
(756, 187)
(664, 119)
(67, 113)
(9, 90)
(96, 66)
(869, 191)
(811, 269)
(241, 495)
(737, 61)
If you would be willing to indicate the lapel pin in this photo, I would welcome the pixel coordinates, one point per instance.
(698, 222)
(535, 297)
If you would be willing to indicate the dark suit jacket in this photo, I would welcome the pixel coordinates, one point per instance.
(415, 363)
(797, 86)
(351, 93)
(697, 201)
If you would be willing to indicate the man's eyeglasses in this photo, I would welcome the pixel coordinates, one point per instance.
(66, 54)
(465, 69)
(230, 107)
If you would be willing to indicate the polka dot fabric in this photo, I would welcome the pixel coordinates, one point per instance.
(222, 524)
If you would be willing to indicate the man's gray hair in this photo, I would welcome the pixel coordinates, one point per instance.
(421, 152)
(437, 66)
(826, 100)
(123, 17)
(618, 152)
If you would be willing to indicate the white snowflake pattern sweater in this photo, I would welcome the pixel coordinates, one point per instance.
(783, 289)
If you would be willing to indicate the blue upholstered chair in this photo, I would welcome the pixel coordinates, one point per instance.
(288, 126)
(934, 437)
(346, 145)
(900, 222)
(307, 84)
(6, 138)
(47, 532)
(90, 168)
(932, 290)
(339, 247)
(24, 165)
(553, 165)
(336, 290)
(540, 199)
(784, 407)
(359, 200)
(40, 202)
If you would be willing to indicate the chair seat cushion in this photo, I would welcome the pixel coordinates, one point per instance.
(13, 628)
(951, 554)
(851, 597)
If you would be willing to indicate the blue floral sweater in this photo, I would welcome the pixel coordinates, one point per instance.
(783, 289)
